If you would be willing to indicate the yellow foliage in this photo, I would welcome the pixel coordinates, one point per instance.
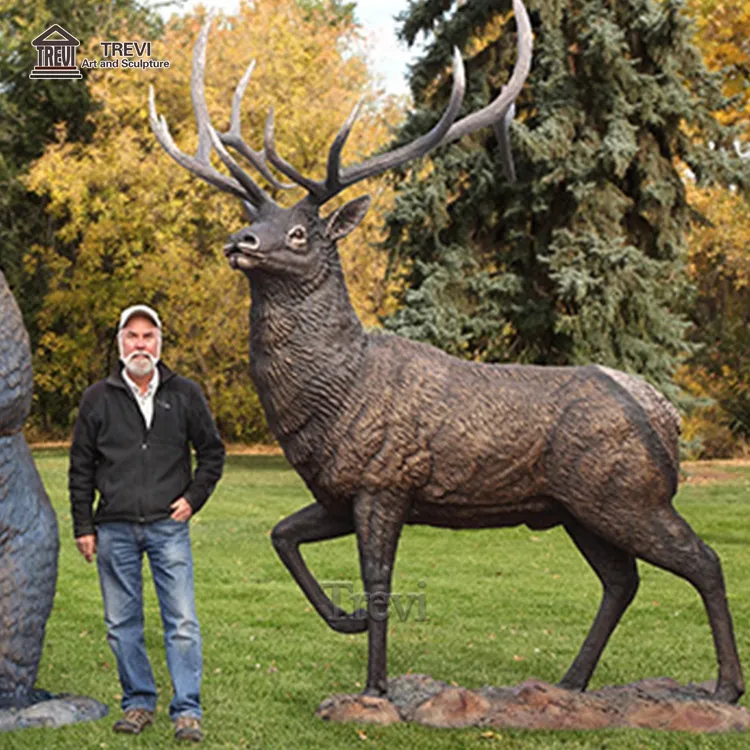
(131, 225)
(720, 250)
(722, 33)
(719, 266)
(708, 436)
(719, 253)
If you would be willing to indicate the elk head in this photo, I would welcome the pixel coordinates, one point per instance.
(297, 241)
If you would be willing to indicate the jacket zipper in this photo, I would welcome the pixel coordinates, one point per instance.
(144, 452)
(144, 442)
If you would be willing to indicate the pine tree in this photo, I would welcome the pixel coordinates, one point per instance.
(581, 260)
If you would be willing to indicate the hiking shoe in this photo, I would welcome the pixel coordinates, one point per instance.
(134, 721)
(188, 729)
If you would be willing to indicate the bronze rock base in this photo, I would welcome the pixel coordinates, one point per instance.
(656, 703)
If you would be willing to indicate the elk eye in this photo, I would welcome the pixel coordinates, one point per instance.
(298, 233)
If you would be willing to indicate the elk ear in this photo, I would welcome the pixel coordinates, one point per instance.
(343, 220)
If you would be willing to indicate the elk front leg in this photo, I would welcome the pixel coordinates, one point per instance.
(378, 520)
(315, 524)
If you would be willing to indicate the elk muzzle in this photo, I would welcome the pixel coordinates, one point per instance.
(243, 250)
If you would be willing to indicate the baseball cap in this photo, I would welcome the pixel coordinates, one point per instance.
(128, 313)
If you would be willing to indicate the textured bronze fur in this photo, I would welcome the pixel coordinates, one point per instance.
(387, 431)
(28, 527)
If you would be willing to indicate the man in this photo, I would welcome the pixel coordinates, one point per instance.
(132, 443)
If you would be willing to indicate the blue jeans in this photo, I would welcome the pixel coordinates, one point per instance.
(120, 548)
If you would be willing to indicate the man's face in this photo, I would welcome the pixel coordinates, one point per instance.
(140, 344)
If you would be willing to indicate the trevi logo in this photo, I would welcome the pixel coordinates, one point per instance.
(56, 55)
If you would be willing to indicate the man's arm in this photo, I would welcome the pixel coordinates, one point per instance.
(82, 480)
(209, 450)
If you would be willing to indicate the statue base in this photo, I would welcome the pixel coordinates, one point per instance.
(656, 703)
(52, 711)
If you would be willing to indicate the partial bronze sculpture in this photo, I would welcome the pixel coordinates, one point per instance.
(28, 527)
(387, 432)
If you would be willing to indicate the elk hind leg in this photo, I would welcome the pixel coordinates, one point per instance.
(685, 554)
(662, 537)
(618, 574)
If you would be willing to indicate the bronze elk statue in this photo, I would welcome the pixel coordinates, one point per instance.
(386, 431)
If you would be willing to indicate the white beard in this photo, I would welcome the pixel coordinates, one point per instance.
(139, 367)
(140, 364)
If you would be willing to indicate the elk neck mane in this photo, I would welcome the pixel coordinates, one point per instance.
(307, 346)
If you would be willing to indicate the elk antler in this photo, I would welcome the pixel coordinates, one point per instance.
(498, 114)
(242, 186)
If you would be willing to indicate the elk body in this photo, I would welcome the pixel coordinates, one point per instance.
(387, 432)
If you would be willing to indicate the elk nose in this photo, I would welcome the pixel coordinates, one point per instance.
(249, 240)
(244, 240)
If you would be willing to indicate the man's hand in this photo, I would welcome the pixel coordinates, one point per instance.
(87, 546)
(181, 510)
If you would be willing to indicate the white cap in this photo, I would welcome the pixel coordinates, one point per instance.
(149, 312)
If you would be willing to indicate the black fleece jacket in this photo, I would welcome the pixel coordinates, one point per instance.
(140, 472)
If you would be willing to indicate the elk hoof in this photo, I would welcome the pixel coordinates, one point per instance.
(728, 693)
(572, 686)
(344, 622)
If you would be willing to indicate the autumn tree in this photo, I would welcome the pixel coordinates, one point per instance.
(722, 30)
(718, 374)
(29, 111)
(582, 259)
(131, 225)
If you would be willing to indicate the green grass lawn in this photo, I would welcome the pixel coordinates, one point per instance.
(500, 606)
